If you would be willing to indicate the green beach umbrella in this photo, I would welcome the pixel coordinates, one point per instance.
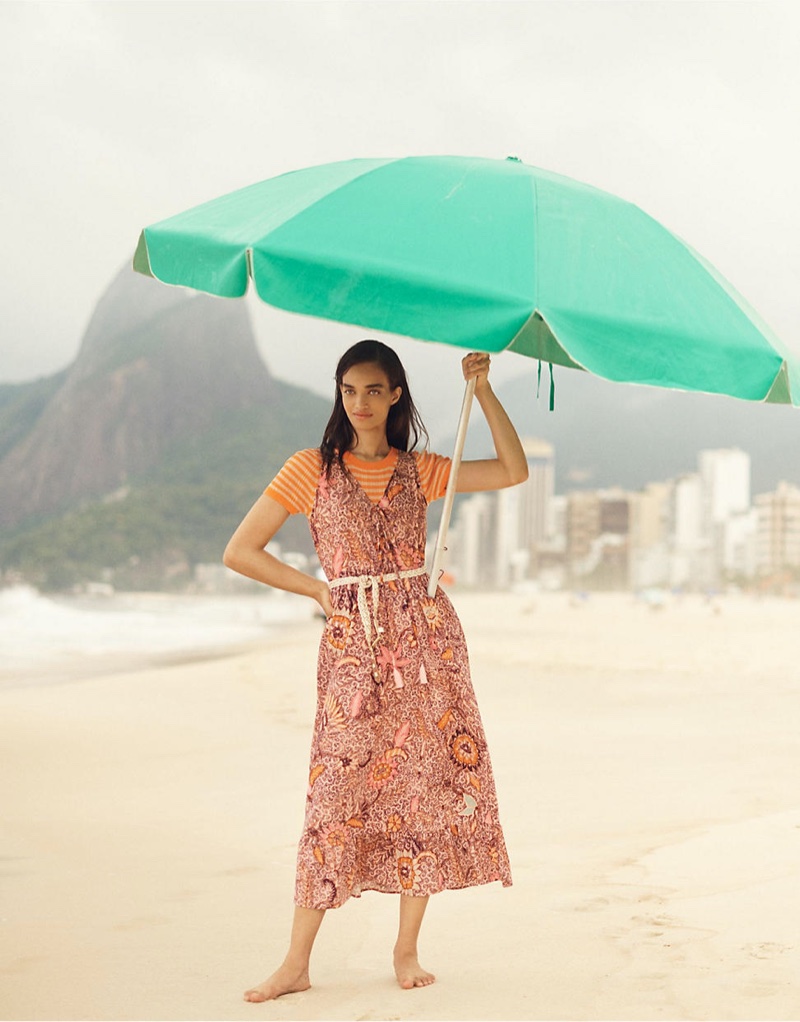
(488, 255)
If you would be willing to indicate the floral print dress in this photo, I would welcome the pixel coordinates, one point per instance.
(401, 796)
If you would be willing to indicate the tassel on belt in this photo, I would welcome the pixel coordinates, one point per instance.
(365, 582)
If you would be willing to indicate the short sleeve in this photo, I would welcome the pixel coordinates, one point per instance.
(295, 486)
(434, 472)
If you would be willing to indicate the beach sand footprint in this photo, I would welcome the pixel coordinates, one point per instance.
(184, 895)
(658, 925)
(591, 905)
(767, 950)
(142, 923)
(20, 965)
(238, 871)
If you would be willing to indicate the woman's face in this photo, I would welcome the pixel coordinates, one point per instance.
(367, 396)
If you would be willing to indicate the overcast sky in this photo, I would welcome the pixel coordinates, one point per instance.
(116, 115)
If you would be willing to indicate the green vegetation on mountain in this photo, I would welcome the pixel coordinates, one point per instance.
(151, 533)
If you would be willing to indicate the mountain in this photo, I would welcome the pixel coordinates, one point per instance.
(140, 459)
(157, 366)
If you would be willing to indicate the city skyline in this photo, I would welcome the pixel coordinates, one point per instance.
(700, 530)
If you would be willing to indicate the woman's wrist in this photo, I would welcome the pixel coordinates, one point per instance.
(323, 598)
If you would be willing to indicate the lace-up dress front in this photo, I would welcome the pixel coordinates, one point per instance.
(401, 796)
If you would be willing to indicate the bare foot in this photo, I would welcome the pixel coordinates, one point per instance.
(286, 980)
(409, 972)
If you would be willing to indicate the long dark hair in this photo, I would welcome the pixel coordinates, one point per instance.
(403, 424)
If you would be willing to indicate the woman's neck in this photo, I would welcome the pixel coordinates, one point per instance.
(370, 450)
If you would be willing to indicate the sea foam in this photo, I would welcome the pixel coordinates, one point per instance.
(38, 631)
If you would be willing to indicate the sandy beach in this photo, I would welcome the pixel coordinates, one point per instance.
(646, 762)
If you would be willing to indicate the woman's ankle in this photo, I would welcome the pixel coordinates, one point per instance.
(295, 963)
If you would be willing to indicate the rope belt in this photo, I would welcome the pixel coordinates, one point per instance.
(365, 582)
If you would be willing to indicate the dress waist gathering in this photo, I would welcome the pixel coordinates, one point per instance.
(373, 582)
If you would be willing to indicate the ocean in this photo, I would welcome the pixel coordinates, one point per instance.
(52, 639)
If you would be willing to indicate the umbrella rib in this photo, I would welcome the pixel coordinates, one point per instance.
(535, 191)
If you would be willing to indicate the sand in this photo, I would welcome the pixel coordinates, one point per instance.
(647, 765)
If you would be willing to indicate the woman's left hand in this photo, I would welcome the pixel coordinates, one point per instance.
(476, 365)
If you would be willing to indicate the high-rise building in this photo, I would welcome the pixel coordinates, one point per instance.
(598, 538)
(583, 529)
(550, 567)
(778, 536)
(499, 534)
(689, 560)
(533, 500)
(725, 481)
(649, 535)
(472, 540)
(507, 546)
(725, 476)
(650, 515)
(536, 493)
(740, 545)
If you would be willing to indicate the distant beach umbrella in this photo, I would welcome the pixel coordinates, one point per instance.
(487, 255)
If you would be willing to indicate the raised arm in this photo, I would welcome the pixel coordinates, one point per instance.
(510, 467)
(245, 553)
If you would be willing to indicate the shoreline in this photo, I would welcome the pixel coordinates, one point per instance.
(112, 665)
(57, 640)
(85, 667)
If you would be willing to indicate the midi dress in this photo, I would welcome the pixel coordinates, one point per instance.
(401, 796)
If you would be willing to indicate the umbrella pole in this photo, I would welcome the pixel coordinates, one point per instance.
(450, 493)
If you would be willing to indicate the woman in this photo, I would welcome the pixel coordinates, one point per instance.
(401, 796)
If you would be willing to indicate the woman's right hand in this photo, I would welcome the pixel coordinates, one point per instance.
(323, 598)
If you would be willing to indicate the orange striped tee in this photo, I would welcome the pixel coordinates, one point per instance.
(295, 486)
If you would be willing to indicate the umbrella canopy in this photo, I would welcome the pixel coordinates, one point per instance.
(489, 255)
